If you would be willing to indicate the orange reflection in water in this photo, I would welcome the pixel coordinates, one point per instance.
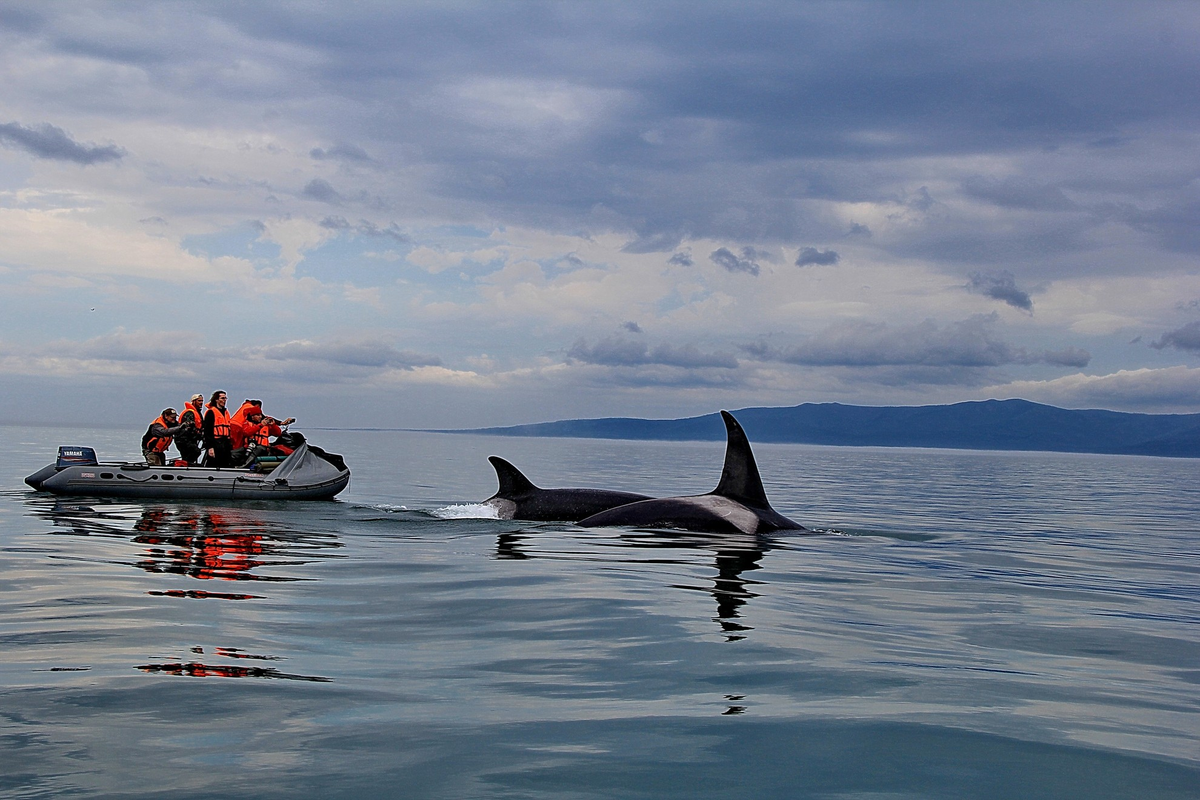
(204, 545)
(231, 544)
(216, 545)
(197, 669)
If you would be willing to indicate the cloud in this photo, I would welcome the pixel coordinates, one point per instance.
(617, 351)
(660, 242)
(1000, 286)
(365, 228)
(139, 346)
(811, 255)
(1165, 389)
(969, 343)
(631, 326)
(1185, 338)
(375, 354)
(340, 152)
(723, 257)
(179, 348)
(1017, 193)
(638, 141)
(321, 190)
(49, 141)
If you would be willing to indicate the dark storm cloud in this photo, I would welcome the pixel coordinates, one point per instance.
(890, 80)
(811, 255)
(49, 141)
(714, 119)
(1000, 286)
(1185, 338)
(724, 257)
(618, 351)
(969, 343)
(726, 122)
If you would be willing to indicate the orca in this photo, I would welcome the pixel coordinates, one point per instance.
(519, 498)
(738, 504)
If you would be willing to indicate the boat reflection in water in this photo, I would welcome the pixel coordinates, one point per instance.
(211, 545)
(205, 544)
(733, 555)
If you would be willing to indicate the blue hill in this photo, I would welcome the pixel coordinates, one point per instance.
(987, 425)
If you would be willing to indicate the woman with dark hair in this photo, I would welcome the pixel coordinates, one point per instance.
(218, 447)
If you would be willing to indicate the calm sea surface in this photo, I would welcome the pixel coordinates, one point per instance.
(961, 625)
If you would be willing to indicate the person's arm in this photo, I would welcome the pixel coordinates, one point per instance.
(158, 431)
(208, 422)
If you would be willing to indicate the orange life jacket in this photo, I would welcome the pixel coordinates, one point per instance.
(197, 416)
(220, 422)
(243, 412)
(246, 433)
(156, 444)
(262, 436)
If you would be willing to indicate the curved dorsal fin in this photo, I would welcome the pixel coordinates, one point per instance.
(739, 477)
(512, 482)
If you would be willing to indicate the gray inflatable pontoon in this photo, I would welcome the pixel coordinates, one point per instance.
(309, 473)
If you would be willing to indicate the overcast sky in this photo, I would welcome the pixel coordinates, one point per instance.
(465, 214)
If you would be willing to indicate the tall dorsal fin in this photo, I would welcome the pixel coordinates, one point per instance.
(512, 482)
(739, 477)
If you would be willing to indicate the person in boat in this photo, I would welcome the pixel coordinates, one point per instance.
(158, 437)
(240, 415)
(218, 446)
(189, 438)
(252, 435)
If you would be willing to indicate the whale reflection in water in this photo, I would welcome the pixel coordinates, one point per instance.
(732, 556)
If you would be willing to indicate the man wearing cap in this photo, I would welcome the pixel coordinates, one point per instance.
(188, 439)
(157, 437)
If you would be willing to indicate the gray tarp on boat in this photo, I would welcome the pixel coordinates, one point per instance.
(307, 474)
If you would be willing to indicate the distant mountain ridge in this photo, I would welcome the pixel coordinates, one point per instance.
(984, 425)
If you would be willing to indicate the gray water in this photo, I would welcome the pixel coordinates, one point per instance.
(961, 624)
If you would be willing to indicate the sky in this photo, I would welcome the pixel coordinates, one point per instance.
(463, 214)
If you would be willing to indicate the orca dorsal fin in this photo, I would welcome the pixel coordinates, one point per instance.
(739, 477)
(512, 481)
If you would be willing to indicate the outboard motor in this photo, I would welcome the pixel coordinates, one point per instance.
(76, 457)
(67, 457)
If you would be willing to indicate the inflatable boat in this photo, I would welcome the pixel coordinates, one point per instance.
(309, 473)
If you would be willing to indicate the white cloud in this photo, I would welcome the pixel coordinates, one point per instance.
(1168, 389)
(66, 242)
